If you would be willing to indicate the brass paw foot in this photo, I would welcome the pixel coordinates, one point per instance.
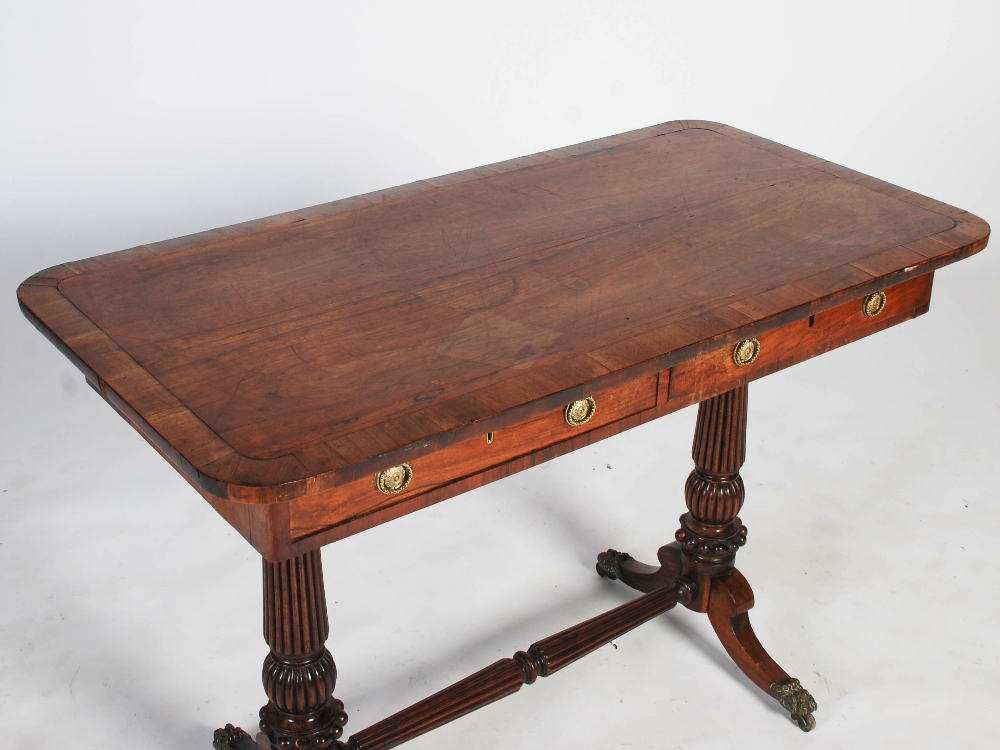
(609, 564)
(232, 738)
(797, 701)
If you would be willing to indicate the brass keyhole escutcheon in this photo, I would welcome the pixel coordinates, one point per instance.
(489, 438)
(874, 304)
(746, 352)
(580, 412)
(394, 479)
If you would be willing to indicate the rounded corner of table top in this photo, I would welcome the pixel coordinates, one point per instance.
(193, 447)
(679, 125)
(47, 278)
(969, 235)
(974, 227)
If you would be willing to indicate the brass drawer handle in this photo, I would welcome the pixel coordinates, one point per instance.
(394, 479)
(580, 412)
(746, 352)
(874, 304)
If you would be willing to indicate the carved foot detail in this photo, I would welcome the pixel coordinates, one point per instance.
(797, 701)
(232, 738)
(621, 566)
(609, 564)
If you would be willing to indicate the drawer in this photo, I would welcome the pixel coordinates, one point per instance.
(716, 372)
(470, 456)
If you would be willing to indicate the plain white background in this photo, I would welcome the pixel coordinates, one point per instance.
(130, 613)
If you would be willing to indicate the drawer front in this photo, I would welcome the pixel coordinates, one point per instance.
(717, 371)
(471, 456)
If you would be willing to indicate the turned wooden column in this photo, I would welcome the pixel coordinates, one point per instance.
(711, 532)
(299, 673)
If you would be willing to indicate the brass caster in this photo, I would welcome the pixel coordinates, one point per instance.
(806, 723)
(797, 701)
(233, 738)
(609, 564)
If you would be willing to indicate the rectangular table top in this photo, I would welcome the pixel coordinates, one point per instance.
(263, 357)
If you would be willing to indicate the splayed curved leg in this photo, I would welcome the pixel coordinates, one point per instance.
(728, 602)
(703, 556)
(621, 566)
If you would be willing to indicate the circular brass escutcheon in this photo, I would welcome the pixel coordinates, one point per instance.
(392, 480)
(580, 412)
(874, 304)
(746, 352)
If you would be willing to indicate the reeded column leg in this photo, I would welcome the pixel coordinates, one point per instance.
(711, 532)
(299, 673)
(705, 549)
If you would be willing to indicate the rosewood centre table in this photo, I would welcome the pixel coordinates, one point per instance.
(320, 372)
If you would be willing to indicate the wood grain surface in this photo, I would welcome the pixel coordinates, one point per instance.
(290, 356)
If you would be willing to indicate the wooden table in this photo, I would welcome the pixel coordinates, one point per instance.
(320, 372)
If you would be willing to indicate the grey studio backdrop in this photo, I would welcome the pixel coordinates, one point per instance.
(130, 612)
